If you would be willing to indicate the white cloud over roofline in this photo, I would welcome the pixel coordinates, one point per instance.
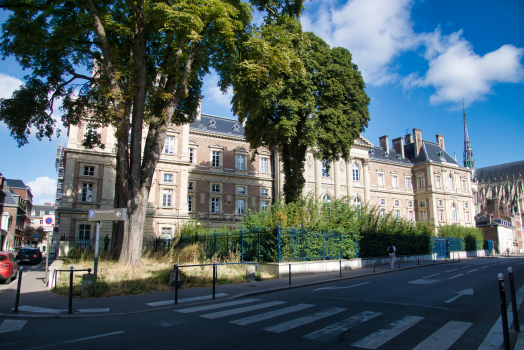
(43, 190)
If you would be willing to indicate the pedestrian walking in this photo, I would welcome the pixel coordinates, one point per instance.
(391, 251)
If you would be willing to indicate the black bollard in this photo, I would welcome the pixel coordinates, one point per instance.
(373, 265)
(513, 300)
(418, 260)
(214, 277)
(400, 258)
(70, 310)
(340, 267)
(176, 283)
(503, 312)
(17, 299)
(289, 273)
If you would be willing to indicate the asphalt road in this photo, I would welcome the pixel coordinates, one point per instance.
(451, 306)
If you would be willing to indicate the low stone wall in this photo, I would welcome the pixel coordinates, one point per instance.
(477, 253)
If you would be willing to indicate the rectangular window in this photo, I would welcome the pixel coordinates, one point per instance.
(32, 221)
(168, 178)
(441, 215)
(394, 181)
(408, 183)
(169, 145)
(397, 214)
(422, 203)
(84, 232)
(189, 203)
(467, 217)
(356, 176)
(410, 216)
(33, 213)
(263, 165)
(397, 202)
(382, 213)
(190, 186)
(215, 162)
(42, 212)
(264, 192)
(450, 181)
(241, 190)
(87, 192)
(215, 205)
(166, 198)
(325, 168)
(420, 182)
(437, 181)
(422, 215)
(191, 159)
(240, 161)
(381, 179)
(466, 205)
(215, 188)
(410, 204)
(264, 205)
(166, 233)
(51, 212)
(89, 171)
(464, 185)
(440, 203)
(240, 208)
(382, 201)
(41, 222)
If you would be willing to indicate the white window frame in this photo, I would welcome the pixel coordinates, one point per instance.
(437, 181)
(326, 199)
(464, 187)
(382, 201)
(33, 212)
(215, 188)
(215, 159)
(394, 181)
(241, 190)
(241, 203)
(356, 172)
(169, 145)
(422, 204)
(397, 202)
(167, 197)
(42, 212)
(466, 205)
(440, 203)
(420, 181)
(423, 215)
(241, 162)
(189, 203)
(441, 215)
(466, 216)
(382, 213)
(87, 192)
(264, 165)
(411, 215)
(357, 203)
(166, 231)
(84, 232)
(408, 183)
(380, 179)
(410, 204)
(453, 212)
(51, 212)
(215, 205)
(450, 182)
(264, 192)
(397, 214)
(168, 178)
(264, 205)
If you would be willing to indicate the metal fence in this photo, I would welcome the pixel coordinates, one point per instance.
(148, 244)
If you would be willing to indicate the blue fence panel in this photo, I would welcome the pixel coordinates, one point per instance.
(439, 247)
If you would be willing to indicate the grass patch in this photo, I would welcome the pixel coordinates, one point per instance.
(115, 279)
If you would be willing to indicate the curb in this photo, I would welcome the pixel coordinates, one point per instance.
(241, 295)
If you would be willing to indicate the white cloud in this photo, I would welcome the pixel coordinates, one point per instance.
(43, 190)
(8, 84)
(378, 31)
(212, 92)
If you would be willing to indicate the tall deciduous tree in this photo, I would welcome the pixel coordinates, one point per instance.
(295, 94)
(127, 63)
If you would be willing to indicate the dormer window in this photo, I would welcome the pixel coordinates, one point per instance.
(236, 127)
(212, 124)
(371, 152)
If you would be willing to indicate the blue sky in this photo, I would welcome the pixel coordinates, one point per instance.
(419, 60)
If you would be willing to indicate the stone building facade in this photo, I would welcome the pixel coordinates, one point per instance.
(206, 173)
(16, 214)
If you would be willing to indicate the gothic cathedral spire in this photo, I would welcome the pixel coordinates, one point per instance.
(469, 159)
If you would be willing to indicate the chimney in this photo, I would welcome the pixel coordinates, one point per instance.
(384, 143)
(417, 136)
(408, 138)
(398, 145)
(440, 141)
(47, 203)
(198, 110)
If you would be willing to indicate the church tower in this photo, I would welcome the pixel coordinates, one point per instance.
(469, 159)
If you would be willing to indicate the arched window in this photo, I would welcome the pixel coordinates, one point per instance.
(357, 202)
(326, 198)
(453, 213)
(356, 176)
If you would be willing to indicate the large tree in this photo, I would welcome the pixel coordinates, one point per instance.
(127, 63)
(296, 94)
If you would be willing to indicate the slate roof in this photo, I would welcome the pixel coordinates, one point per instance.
(39, 208)
(501, 171)
(13, 183)
(378, 153)
(430, 151)
(9, 198)
(483, 221)
(218, 125)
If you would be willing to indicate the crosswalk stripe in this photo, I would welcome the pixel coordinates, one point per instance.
(271, 314)
(216, 306)
(382, 336)
(445, 336)
(241, 310)
(11, 325)
(342, 326)
(285, 326)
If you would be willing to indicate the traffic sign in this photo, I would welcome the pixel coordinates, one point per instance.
(56, 229)
(37, 236)
(49, 221)
(117, 214)
(48, 229)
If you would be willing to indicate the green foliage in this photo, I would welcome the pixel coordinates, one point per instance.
(296, 94)
(472, 236)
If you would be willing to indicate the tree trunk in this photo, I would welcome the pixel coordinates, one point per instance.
(293, 157)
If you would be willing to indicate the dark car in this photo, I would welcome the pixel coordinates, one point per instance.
(8, 267)
(29, 255)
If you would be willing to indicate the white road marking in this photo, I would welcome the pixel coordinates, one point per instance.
(285, 326)
(342, 326)
(483, 267)
(186, 300)
(445, 336)
(456, 276)
(472, 270)
(76, 340)
(423, 281)
(462, 292)
(216, 306)
(355, 285)
(11, 325)
(451, 270)
(432, 275)
(41, 310)
(382, 336)
(271, 314)
(170, 323)
(94, 310)
(219, 314)
(465, 267)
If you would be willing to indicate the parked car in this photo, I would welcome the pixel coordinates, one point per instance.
(29, 255)
(8, 267)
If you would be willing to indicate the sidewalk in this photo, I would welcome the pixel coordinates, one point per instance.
(37, 301)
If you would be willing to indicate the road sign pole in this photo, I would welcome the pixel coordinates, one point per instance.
(503, 313)
(97, 239)
(47, 261)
